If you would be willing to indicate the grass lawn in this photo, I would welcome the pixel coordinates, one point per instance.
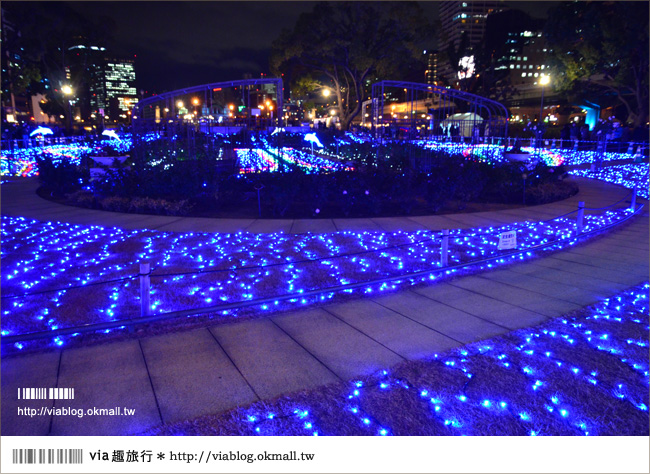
(58, 275)
(583, 374)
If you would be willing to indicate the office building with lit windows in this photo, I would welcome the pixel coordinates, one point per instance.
(119, 84)
(105, 86)
(516, 43)
(431, 72)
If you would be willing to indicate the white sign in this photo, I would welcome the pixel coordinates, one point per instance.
(507, 240)
(256, 111)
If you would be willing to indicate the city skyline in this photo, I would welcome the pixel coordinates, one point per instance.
(183, 37)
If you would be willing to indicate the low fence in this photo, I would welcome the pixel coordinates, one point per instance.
(145, 275)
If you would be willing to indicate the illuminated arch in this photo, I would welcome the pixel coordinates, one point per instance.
(150, 111)
(425, 105)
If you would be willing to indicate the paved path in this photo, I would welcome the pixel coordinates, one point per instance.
(182, 375)
(19, 198)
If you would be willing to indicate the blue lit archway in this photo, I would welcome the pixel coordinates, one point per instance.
(417, 109)
(200, 105)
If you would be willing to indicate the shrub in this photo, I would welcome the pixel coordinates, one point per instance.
(177, 208)
(115, 204)
(145, 205)
(62, 178)
(549, 192)
(81, 198)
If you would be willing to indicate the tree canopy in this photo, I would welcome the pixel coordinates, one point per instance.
(600, 50)
(349, 42)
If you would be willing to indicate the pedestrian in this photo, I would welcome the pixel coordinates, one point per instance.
(584, 135)
(565, 134)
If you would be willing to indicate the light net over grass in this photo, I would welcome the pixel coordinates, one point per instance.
(582, 375)
(22, 161)
(253, 160)
(58, 275)
(490, 153)
(629, 175)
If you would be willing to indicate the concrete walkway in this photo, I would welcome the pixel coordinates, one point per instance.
(19, 198)
(182, 375)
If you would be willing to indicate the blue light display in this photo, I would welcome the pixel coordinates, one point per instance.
(47, 267)
(559, 392)
(22, 161)
(629, 175)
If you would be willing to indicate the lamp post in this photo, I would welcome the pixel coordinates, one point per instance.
(67, 91)
(543, 80)
(196, 102)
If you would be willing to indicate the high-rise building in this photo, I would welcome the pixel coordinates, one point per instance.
(431, 72)
(519, 56)
(15, 105)
(82, 59)
(516, 44)
(461, 20)
(119, 84)
(104, 85)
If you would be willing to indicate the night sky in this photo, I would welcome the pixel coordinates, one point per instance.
(180, 44)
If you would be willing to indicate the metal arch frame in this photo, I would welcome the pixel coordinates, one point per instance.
(206, 87)
(495, 110)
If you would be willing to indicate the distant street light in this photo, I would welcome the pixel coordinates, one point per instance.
(326, 92)
(543, 80)
(67, 91)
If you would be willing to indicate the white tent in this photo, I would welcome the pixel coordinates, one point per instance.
(465, 122)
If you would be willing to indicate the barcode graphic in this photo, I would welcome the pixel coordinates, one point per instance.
(46, 394)
(48, 456)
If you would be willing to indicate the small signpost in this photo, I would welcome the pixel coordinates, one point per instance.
(507, 240)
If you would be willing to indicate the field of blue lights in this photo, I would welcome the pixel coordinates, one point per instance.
(254, 160)
(57, 275)
(629, 175)
(22, 161)
(581, 375)
(552, 157)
